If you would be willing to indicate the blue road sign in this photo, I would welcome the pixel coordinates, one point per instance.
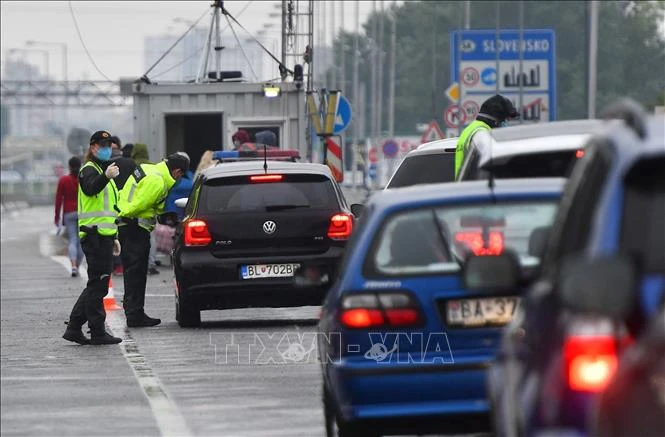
(343, 116)
(372, 171)
(474, 65)
(390, 148)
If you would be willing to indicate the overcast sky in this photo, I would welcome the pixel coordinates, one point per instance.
(114, 31)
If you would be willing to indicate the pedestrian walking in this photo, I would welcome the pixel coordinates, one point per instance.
(141, 201)
(97, 215)
(66, 202)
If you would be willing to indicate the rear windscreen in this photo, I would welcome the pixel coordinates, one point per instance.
(293, 191)
(425, 169)
(538, 165)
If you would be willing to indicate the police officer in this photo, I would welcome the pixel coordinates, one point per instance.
(97, 198)
(494, 112)
(141, 200)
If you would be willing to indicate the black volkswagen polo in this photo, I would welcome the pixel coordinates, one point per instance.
(248, 227)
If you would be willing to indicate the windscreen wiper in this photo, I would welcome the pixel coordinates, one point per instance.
(283, 207)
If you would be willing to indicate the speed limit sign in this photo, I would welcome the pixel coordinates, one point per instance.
(470, 77)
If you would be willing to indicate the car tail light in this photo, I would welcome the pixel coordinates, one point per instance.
(591, 362)
(340, 227)
(266, 178)
(579, 154)
(196, 233)
(474, 241)
(370, 310)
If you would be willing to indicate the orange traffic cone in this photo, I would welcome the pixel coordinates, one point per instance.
(109, 300)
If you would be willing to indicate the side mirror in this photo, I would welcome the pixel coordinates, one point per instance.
(311, 276)
(168, 219)
(538, 241)
(604, 285)
(357, 209)
(182, 202)
(491, 274)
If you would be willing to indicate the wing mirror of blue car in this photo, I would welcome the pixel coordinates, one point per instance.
(168, 219)
(182, 202)
(311, 276)
(604, 286)
(491, 274)
(357, 209)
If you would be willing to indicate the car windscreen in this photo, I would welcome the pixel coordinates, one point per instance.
(424, 169)
(261, 193)
(437, 240)
(534, 165)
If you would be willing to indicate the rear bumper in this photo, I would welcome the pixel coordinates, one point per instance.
(216, 283)
(387, 392)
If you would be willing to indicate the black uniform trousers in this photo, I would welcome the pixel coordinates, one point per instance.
(135, 242)
(89, 307)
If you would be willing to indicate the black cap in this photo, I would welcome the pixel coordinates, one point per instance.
(499, 107)
(178, 160)
(127, 150)
(100, 136)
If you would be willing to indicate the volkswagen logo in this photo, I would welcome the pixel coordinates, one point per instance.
(269, 227)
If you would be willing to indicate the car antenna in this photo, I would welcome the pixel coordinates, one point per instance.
(265, 158)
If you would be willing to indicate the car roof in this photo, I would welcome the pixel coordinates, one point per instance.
(553, 128)
(419, 194)
(629, 148)
(241, 168)
(438, 146)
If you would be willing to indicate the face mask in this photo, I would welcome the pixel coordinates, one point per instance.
(504, 123)
(236, 143)
(104, 153)
(115, 152)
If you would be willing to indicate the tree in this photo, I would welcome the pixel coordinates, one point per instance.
(631, 52)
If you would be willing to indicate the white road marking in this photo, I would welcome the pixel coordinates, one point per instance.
(167, 415)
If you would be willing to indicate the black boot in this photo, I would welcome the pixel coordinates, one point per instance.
(142, 321)
(75, 335)
(104, 338)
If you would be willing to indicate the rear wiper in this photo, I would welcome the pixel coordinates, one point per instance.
(283, 207)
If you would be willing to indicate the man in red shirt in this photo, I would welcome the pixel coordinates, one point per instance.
(66, 200)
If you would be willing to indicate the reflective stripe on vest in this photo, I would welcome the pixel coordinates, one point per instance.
(97, 211)
(464, 140)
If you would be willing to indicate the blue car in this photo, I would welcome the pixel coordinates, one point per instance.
(554, 362)
(404, 346)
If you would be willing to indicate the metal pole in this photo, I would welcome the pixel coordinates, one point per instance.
(342, 48)
(356, 95)
(374, 71)
(593, 57)
(496, 42)
(333, 70)
(65, 75)
(467, 14)
(379, 103)
(393, 52)
(218, 44)
(284, 30)
(521, 51)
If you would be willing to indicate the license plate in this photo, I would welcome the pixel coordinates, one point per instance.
(257, 271)
(495, 311)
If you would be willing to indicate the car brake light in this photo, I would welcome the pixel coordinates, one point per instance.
(266, 178)
(591, 362)
(196, 233)
(369, 310)
(340, 227)
(579, 154)
(474, 241)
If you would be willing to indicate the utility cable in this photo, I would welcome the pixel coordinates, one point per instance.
(78, 31)
(200, 48)
(256, 78)
(145, 75)
(282, 67)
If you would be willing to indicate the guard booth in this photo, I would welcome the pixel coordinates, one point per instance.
(196, 117)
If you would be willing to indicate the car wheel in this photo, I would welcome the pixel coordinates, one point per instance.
(187, 315)
(336, 426)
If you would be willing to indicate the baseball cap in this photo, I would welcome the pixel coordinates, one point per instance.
(100, 136)
(178, 160)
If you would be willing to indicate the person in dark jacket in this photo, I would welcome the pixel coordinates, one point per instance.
(126, 165)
